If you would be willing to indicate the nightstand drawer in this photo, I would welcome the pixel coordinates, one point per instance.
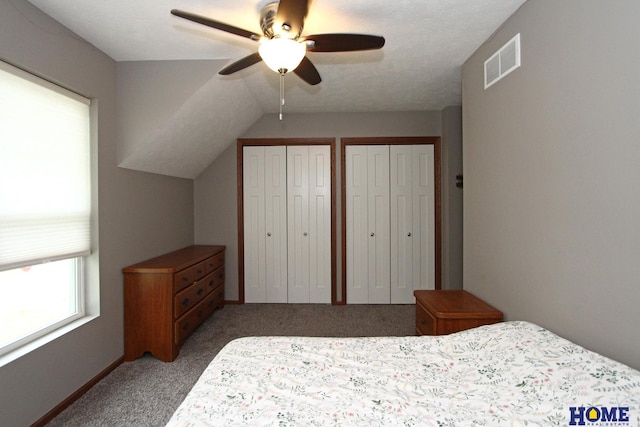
(425, 323)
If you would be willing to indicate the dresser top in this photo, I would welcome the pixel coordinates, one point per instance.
(176, 260)
(455, 304)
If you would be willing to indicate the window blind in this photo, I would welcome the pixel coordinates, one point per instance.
(45, 181)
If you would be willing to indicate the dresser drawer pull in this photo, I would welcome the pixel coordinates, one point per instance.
(220, 276)
(185, 326)
(200, 291)
(199, 271)
(211, 283)
(185, 301)
(422, 321)
(185, 279)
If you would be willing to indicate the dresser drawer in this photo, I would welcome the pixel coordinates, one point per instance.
(426, 324)
(194, 317)
(216, 299)
(184, 278)
(200, 270)
(189, 297)
(215, 262)
(218, 277)
(212, 280)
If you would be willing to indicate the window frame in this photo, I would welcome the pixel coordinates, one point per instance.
(79, 294)
(86, 287)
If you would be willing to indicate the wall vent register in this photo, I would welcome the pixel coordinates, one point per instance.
(501, 63)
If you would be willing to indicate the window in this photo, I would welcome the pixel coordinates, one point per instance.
(45, 206)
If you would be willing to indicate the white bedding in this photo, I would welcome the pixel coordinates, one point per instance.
(512, 373)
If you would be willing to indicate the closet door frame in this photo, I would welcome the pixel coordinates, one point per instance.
(410, 140)
(241, 143)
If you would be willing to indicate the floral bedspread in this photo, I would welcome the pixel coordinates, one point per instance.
(512, 373)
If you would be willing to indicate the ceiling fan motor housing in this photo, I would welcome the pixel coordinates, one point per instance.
(268, 23)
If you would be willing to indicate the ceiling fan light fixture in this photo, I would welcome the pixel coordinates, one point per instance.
(282, 55)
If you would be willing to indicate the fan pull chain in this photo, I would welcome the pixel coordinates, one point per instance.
(281, 93)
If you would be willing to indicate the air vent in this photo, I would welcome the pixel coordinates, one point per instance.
(502, 62)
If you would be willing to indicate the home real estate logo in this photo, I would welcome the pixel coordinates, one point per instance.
(601, 416)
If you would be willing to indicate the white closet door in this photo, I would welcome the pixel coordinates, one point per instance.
(309, 223)
(367, 222)
(378, 223)
(298, 223)
(254, 225)
(265, 226)
(412, 221)
(319, 224)
(275, 216)
(357, 230)
(402, 237)
(424, 253)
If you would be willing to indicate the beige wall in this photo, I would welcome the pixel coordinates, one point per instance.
(552, 174)
(140, 215)
(216, 189)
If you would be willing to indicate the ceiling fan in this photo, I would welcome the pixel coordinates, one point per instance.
(282, 46)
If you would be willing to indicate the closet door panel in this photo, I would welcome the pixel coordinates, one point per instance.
(357, 230)
(254, 225)
(399, 217)
(320, 224)
(424, 217)
(378, 221)
(401, 212)
(298, 223)
(276, 224)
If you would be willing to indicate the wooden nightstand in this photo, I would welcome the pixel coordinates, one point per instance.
(442, 312)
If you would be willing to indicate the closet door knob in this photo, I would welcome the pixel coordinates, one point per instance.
(304, 234)
(269, 234)
(409, 234)
(373, 234)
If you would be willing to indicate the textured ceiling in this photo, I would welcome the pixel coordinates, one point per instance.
(418, 69)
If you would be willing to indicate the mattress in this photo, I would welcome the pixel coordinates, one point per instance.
(511, 373)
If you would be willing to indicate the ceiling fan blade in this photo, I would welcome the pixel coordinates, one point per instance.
(308, 72)
(241, 64)
(343, 42)
(216, 24)
(291, 13)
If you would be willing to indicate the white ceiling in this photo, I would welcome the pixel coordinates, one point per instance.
(418, 69)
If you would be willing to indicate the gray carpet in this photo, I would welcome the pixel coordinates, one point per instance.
(146, 392)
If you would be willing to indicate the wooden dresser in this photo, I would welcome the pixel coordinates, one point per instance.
(441, 312)
(166, 298)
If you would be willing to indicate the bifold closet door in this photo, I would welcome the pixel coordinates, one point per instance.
(265, 224)
(367, 224)
(309, 224)
(412, 212)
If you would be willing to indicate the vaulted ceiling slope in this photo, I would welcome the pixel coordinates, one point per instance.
(180, 128)
(175, 117)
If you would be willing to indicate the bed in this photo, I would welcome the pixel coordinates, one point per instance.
(511, 373)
